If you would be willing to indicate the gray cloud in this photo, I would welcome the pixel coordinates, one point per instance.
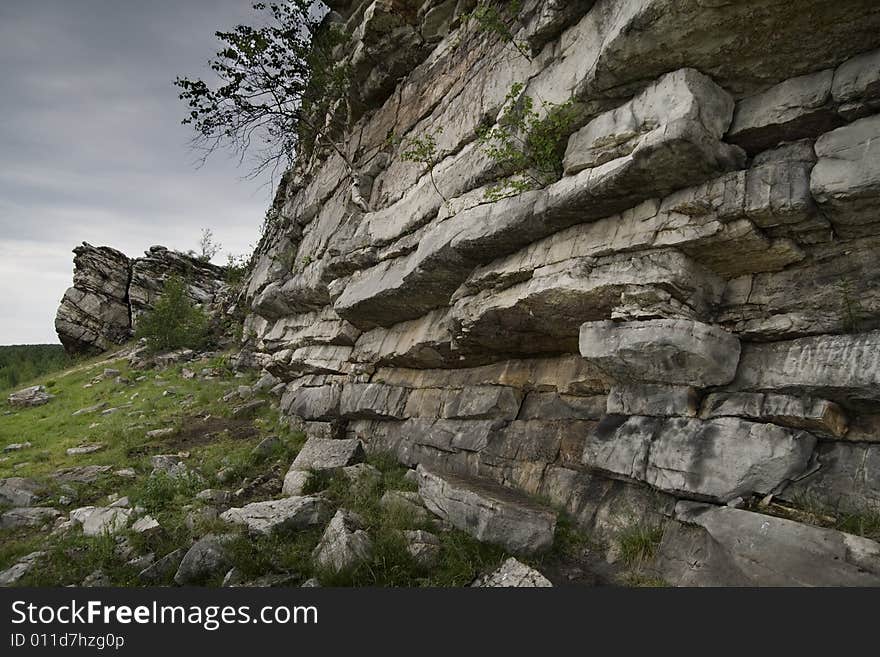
(91, 146)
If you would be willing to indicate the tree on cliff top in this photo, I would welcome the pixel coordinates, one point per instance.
(277, 91)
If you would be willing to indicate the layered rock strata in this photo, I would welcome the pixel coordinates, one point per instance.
(686, 319)
(111, 290)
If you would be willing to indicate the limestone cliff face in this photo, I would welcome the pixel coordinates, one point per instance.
(687, 319)
(110, 290)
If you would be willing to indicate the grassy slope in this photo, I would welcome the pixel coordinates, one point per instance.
(53, 428)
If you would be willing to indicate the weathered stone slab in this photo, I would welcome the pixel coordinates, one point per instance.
(369, 401)
(280, 515)
(664, 351)
(739, 44)
(652, 400)
(846, 179)
(817, 415)
(843, 368)
(516, 574)
(721, 546)
(718, 459)
(857, 85)
(20, 569)
(30, 397)
(837, 290)
(27, 516)
(847, 480)
(544, 313)
(321, 403)
(796, 109)
(101, 520)
(328, 454)
(423, 342)
(470, 403)
(344, 543)
(488, 513)
(554, 406)
(674, 127)
(20, 491)
(570, 375)
(321, 328)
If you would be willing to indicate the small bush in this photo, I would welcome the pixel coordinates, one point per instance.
(174, 322)
(528, 144)
(638, 545)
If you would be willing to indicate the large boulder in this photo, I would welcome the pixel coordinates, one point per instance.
(514, 574)
(846, 179)
(717, 459)
(344, 544)
(279, 515)
(20, 491)
(30, 397)
(488, 512)
(722, 546)
(98, 520)
(208, 557)
(677, 351)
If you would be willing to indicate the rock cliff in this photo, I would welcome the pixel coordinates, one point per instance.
(679, 332)
(111, 290)
(686, 321)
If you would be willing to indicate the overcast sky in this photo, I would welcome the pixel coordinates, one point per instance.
(91, 146)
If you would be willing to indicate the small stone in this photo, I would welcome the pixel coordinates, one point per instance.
(16, 447)
(100, 520)
(147, 526)
(266, 447)
(97, 579)
(89, 448)
(278, 515)
(214, 496)
(423, 546)
(160, 433)
(126, 473)
(30, 397)
(206, 558)
(160, 571)
(249, 409)
(90, 409)
(344, 544)
(295, 482)
(514, 573)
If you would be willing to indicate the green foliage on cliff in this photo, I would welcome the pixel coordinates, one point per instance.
(21, 363)
(277, 87)
(528, 144)
(174, 322)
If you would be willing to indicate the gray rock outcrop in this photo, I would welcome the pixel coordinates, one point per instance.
(110, 290)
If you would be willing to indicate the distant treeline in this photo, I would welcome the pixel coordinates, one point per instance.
(22, 363)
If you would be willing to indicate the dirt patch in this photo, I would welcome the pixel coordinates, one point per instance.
(197, 432)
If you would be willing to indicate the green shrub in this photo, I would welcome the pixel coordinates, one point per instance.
(527, 144)
(174, 322)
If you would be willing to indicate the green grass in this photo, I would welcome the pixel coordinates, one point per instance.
(638, 544)
(214, 441)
